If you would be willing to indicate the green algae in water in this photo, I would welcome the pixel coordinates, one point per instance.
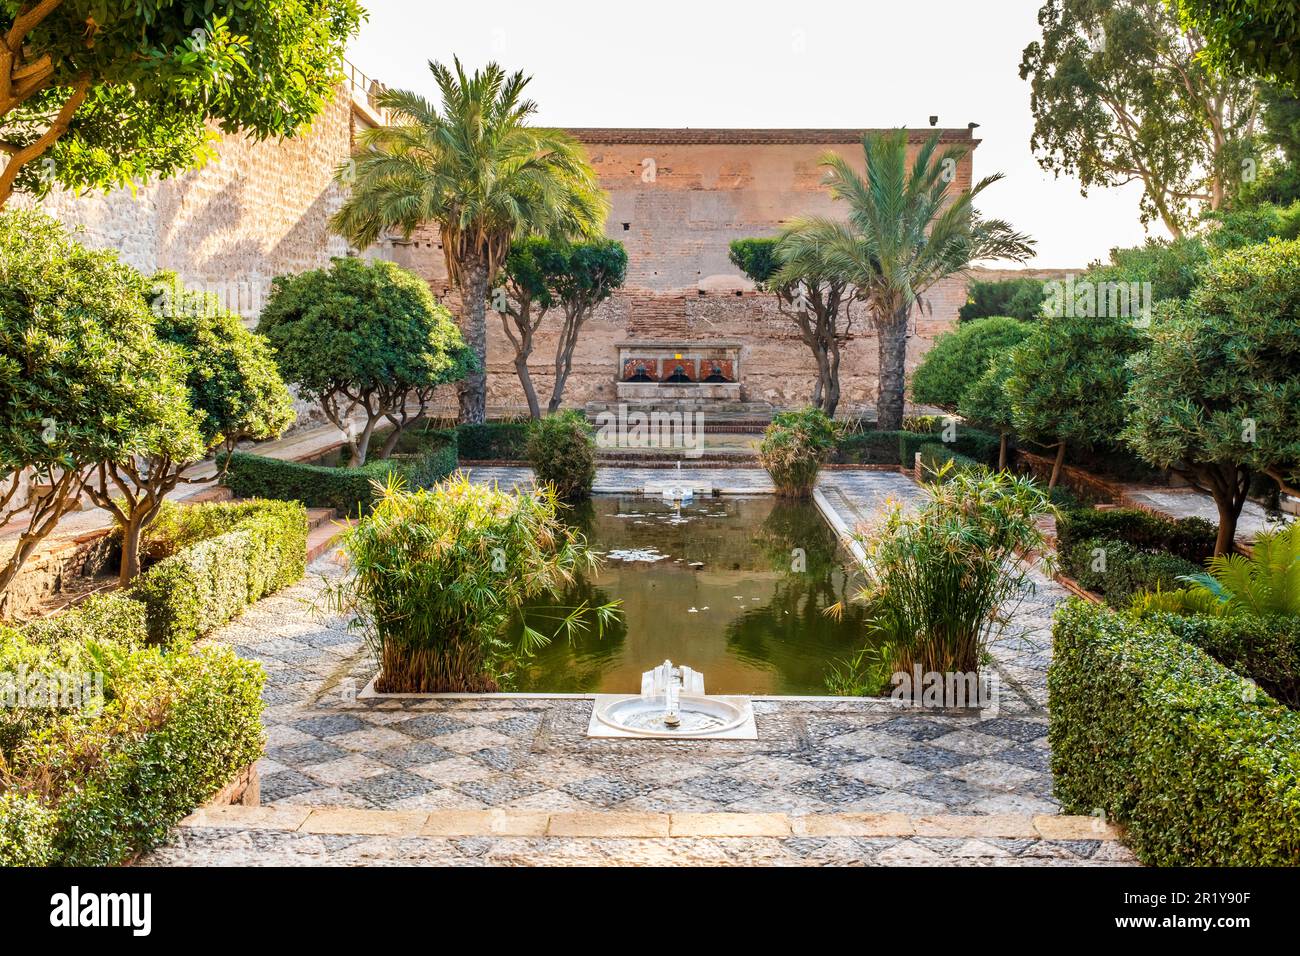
(733, 586)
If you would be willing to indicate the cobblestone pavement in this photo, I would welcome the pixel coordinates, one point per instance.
(1189, 503)
(328, 748)
(224, 847)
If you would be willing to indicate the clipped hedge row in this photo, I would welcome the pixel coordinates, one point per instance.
(1171, 744)
(1125, 571)
(900, 447)
(95, 783)
(1266, 649)
(346, 490)
(1189, 538)
(493, 441)
(206, 584)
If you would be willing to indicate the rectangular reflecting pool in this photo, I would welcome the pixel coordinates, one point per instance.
(733, 586)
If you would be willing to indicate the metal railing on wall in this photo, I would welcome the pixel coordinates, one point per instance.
(364, 88)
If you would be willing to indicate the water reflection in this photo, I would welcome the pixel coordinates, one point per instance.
(733, 586)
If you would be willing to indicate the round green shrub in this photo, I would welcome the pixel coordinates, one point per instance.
(562, 450)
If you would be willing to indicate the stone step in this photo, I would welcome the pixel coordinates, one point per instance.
(509, 822)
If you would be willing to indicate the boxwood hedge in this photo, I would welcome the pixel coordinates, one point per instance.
(1190, 538)
(1200, 767)
(348, 491)
(493, 441)
(94, 783)
(1126, 570)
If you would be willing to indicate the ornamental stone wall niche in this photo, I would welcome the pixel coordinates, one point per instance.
(679, 371)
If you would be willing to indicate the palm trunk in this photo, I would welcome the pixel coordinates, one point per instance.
(472, 390)
(891, 345)
(1002, 451)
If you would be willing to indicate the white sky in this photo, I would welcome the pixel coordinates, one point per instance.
(812, 63)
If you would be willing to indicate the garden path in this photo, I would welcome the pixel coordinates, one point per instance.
(957, 788)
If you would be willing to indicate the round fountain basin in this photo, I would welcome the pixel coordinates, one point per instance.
(645, 716)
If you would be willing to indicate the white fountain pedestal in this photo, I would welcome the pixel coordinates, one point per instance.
(733, 718)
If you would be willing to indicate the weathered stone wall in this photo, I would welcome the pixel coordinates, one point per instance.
(678, 198)
(258, 210)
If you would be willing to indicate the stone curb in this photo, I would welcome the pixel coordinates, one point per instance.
(628, 825)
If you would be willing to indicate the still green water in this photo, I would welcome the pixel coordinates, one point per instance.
(733, 586)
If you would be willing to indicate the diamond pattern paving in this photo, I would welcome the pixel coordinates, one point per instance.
(327, 747)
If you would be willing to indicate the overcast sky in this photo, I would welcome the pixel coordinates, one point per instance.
(812, 63)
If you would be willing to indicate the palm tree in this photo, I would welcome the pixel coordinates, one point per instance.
(475, 167)
(908, 227)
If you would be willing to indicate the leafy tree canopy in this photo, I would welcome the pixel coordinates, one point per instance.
(1120, 94)
(101, 93)
(360, 325)
(958, 359)
(1017, 298)
(1254, 37)
(1220, 383)
(234, 385)
(756, 258)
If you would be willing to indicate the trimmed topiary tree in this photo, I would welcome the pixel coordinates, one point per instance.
(958, 358)
(85, 383)
(364, 337)
(1217, 395)
(1068, 381)
(986, 403)
(233, 392)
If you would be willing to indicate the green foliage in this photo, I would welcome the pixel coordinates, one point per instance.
(1119, 93)
(870, 447)
(493, 441)
(204, 585)
(562, 452)
(1255, 37)
(1017, 298)
(1219, 387)
(115, 616)
(348, 491)
(1118, 571)
(109, 777)
(942, 462)
(1201, 769)
(938, 578)
(1265, 649)
(756, 258)
(234, 385)
(985, 401)
(439, 573)
(1172, 266)
(958, 358)
(1265, 583)
(908, 227)
(27, 831)
(1189, 538)
(1069, 378)
(794, 447)
(363, 335)
(1251, 225)
(158, 74)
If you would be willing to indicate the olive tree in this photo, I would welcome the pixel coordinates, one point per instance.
(1217, 395)
(363, 338)
(1069, 378)
(233, 392)
(593, 271)
(103, 93)
(84, 378)
(522, 300)
(810, 292)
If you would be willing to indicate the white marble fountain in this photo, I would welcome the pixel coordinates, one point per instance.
(672, 705)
